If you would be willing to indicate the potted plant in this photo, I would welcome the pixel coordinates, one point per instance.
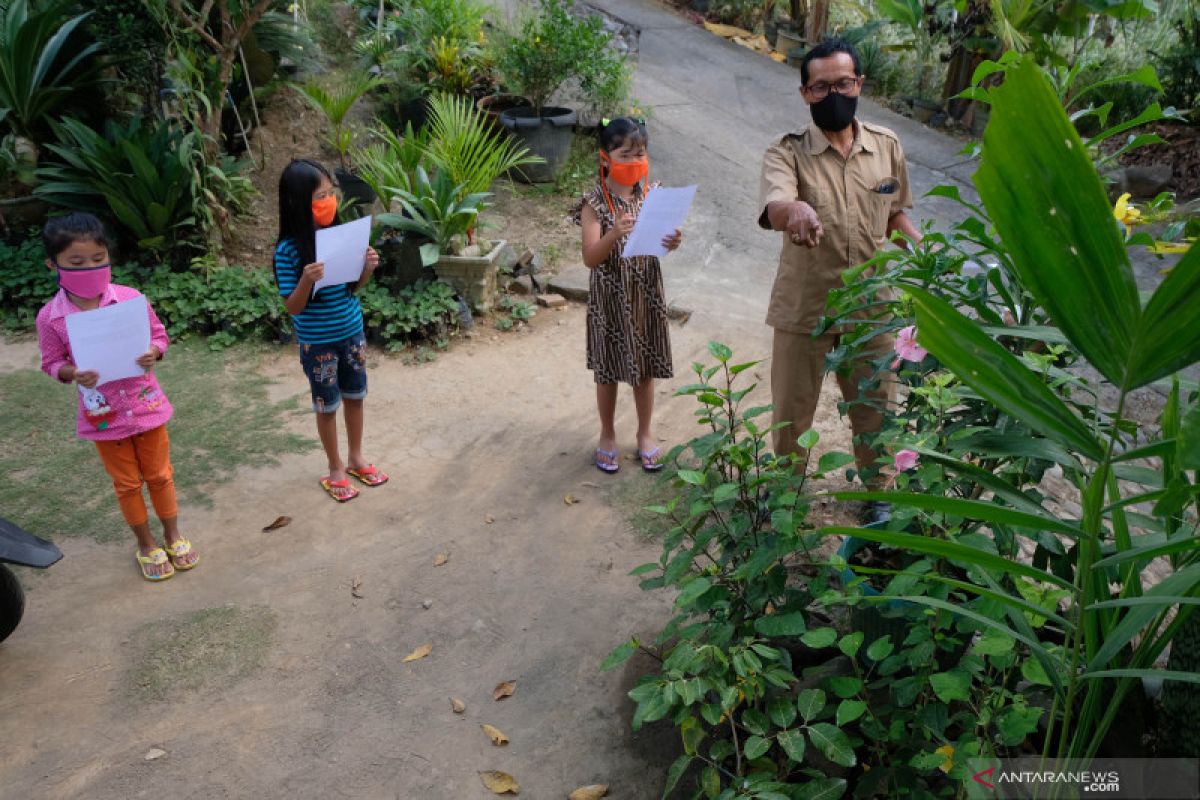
(336, 104)
(437, 210)
(388, 165)
(551, 48)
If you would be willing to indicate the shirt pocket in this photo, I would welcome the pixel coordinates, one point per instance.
(877, 208)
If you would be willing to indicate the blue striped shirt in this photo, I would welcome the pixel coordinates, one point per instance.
(332, 315)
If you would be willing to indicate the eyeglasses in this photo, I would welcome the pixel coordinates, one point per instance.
(330, 192)
(821, 90)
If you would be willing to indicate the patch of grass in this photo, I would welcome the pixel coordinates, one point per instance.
(56, 484)
(633, 496)
(212, 646)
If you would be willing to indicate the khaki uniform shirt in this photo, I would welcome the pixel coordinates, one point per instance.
(851, 198)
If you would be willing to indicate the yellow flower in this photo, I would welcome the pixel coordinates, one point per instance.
(1126, 213)
(947, 752)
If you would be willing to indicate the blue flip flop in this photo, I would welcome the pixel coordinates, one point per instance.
(605, 466)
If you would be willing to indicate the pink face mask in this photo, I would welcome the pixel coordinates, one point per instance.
(88, 282)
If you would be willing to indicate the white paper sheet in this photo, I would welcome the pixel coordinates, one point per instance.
(663, 211)
(110, 340)
(343, 248)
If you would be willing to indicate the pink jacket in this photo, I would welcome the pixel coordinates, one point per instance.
(117, 409)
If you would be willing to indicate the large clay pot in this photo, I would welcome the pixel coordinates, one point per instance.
(548, 136)
(493, 104)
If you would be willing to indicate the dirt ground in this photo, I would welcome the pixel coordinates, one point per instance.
(483, 445)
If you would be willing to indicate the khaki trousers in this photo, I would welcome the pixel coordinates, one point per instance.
(797, 369)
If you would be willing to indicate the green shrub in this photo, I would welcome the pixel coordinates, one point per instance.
(25, 283)
(227, 304)
(426, 310)
(47, 62)
(1179, 67)
(140, 174)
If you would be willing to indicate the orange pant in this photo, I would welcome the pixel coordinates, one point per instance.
(141, 457)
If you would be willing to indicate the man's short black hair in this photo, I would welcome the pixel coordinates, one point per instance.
(59, 233)
(825, 49)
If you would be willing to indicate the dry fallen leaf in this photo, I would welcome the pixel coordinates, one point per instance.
(498, 738)
(458, 706)
(420, 652)
(570, 499)
(504, 690)
(593, 792)
(778, 56)
(154, 753)
(726, 31)
(355, 588)
(489, 519)
(500, 782)
(441, 559)
(278, 523)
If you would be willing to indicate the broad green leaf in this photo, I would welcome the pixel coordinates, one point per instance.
(692, 734)
(953, 685)
(691, 476)
(850, 644)
(1187, 452)
(810, 703)
(1049, 206)
(1135, 622)
(692, 591)
(756, 746)
(619, 656)
(710, 782)
(1168, 338)
(678, 767)
(720, 352)
(819, 638)
(792, 743)
(981, 510)
(881, 648)
(947, 549)
(755, 721)
(823, 789)
(993, 644)
(782, 711)
(808, 439)
(789, 624)
(828, 462)
(833, 743)
(850, 710)
(997, 374)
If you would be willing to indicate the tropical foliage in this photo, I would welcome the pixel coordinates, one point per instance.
(985, 618)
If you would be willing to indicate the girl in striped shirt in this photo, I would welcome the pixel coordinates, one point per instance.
(328, 324)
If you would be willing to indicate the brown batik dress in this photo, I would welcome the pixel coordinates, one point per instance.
(627, 335)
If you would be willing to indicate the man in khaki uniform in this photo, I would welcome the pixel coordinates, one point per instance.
(837, 189)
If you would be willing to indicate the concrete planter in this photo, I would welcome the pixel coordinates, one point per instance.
(473, 277)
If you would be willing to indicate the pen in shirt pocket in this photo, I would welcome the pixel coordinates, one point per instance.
(887, 186)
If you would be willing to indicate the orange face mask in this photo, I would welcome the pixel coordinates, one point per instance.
(324, 210)
(628, 173)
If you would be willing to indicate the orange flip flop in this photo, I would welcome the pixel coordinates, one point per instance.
(331, 487)
(369, 475)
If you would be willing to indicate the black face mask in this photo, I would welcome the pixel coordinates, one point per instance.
(835, 112)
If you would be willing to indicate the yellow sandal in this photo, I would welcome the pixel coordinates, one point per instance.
(155, 557)
(178, 550)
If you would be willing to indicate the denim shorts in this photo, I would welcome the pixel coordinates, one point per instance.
(335, 370)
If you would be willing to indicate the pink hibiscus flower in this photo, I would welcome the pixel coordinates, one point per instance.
(906, 460)
(907, 348)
